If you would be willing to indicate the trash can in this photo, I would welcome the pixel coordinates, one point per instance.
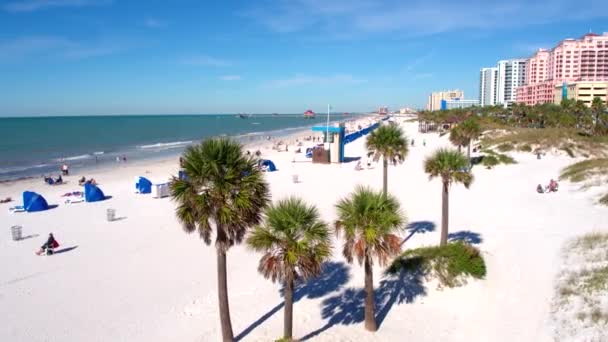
(295, 178)
(16, 233)
(111, 214)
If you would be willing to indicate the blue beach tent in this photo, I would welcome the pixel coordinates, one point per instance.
(143, 185)
(34, 202)
(269, 164)
(92, 193)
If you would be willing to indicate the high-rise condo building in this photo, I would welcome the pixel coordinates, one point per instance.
(511, 75)
(434, 101)
(572, 60)
(488, 83)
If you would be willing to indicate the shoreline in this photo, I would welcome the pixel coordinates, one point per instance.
(257, 141)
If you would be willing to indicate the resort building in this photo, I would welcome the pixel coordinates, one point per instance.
(581, 91)
(434, 101)
(511, 75)
(572, 60)
(458, 103)
(488, 83)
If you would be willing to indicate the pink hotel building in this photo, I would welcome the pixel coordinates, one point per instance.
(572, 60)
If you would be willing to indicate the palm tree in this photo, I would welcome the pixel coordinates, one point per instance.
(295, 243)
(223, 189)
(457, 137)
(390, 143)
(470, 131)
(370, 222)
(600, 117)
(451, 166)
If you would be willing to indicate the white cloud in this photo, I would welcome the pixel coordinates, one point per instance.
(356, 18)
(303, 80)
(54, 47)
(35, 5)
(154, 23)
(230, 78)
(204, 60)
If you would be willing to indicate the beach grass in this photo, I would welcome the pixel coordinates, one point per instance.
(581, 285)
(585, 170)
(451, 264)
(569, 140)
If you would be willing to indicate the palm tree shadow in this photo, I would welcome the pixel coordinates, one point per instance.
(402, 283)
(418, 227)
(466, 236)
(333, 276)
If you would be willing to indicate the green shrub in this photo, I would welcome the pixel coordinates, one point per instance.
(505, 159)
(604, 200)
(584, 170)
(450, 264)
(505, 147)
(568, 150)
(524, 148)
(489, 161)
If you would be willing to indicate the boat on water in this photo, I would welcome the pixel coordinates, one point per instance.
(244, 116)
(309, 114)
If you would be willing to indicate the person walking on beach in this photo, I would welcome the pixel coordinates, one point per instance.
(65, 170)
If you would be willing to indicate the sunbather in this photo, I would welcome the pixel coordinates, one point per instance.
(6, 200)
(358, 167)
(59, 180)
(82, 181)
(540, 189)
(48, 246)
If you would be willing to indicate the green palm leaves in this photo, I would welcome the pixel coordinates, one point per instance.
(389, 143)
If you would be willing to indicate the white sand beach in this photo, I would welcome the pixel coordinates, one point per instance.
(141, 278)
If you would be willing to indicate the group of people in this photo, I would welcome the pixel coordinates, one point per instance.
(552, 187)
(83, 181)
(53, 181)
(49, 246)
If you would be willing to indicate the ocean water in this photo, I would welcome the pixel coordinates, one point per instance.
(36, 146)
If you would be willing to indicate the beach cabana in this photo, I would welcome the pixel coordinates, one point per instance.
(34, 202)
(268, 164)
(143, 185)
(92, 193)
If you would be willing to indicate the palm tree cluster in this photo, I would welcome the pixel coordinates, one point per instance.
(570, 114)
(224, 194)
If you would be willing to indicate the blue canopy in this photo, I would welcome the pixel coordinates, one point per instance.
(92, 193)
(34, 202)
(143, 185)
(268, 163)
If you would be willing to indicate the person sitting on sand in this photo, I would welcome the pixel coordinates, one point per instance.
(49, 180)
(48, 246)
(91, 181)
(59, 180)
(552, 185)
(82, 181)
(358, 167)
(6, 200)
(540, 189)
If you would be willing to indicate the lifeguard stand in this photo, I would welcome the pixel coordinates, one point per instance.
(334, 136)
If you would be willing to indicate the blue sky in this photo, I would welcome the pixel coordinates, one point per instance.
(79, 57)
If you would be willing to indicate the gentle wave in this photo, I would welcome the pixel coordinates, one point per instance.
(98, 153)
(82, 156)
(166, 145)
(21, 168)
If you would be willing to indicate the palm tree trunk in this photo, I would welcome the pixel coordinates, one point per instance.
(444, 213)
(459, 148)
(469, 152)
(288, 310)
(385, 176)
(222, 294)
(370, 318)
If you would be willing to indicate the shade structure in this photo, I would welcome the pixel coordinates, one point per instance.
(143, 185)
(34, 202)
(92, 193)
(269, 164)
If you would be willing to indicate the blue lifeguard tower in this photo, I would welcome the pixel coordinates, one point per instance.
(334, 136)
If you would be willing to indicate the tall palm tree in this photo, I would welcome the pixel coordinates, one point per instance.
(470, 131)
(224, 190)
(295, 243)
(457, 137)
(451, 166)
(390, 143)
(370, 222)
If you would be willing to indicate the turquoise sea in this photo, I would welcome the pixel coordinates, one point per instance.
(39, 145)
